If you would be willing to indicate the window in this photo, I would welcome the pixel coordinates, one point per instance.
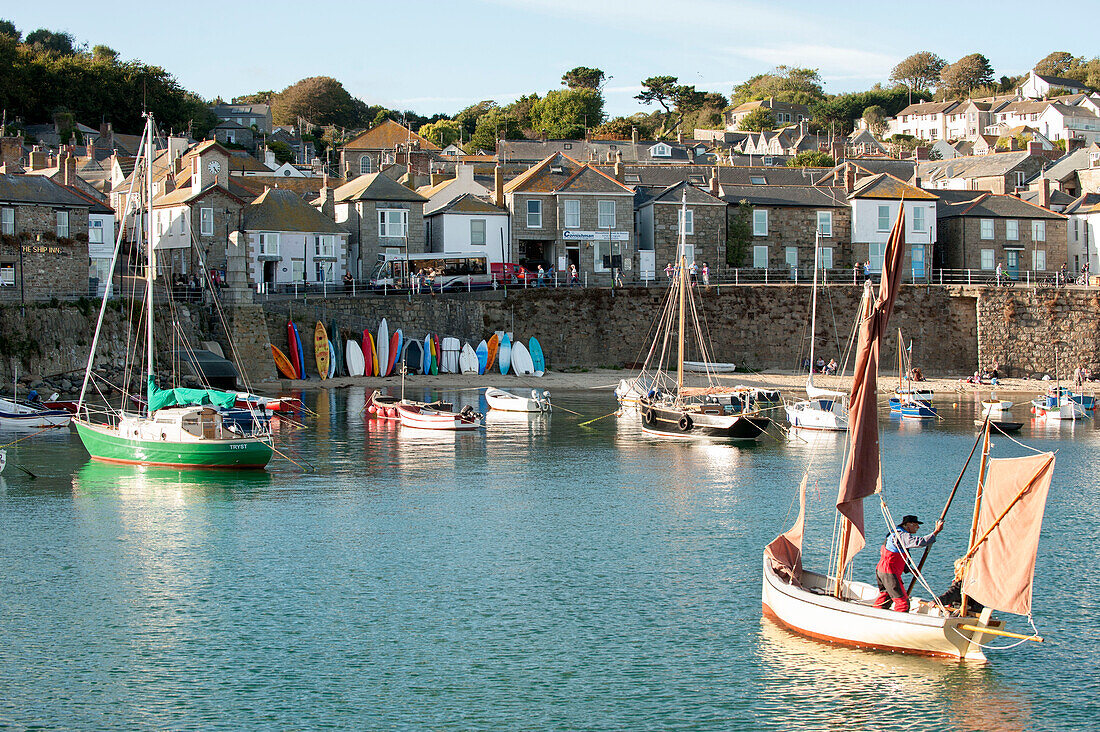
(760, 257)
(7, 221)
(572, 214)
(758, 180)
(987, 259)
(1038, 231)
(689, 223)
(62, 224)
(606, 215)
(987, 228)
(95, 232)
(568, 146)
(534, 214)
(883, 218)
(661, 151)
(1019, 178)
(297, 270)
(792, 258)
(826, 257)
(364, 165)
(825, 223)
(918, 218)
(633, 178)
(1039, 259)
(477, 232)
(269, 245)
(759, 222)
(1076, 234)
(1012, 229)
(601, 249)
(393, 222)
(324, 246)
(206, 221)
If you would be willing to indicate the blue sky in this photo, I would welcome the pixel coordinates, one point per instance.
(442, 56)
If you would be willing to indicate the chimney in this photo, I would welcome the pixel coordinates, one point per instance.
(633, 135)
(680, 137)
(916, 181)
(619, 167)
(198, 178)
(68, 170)
(269, 158)
(464, 173)
(435, 179)
(11, 152)
(498, 186)
(37, 158)
(1046, 192)
(849, 177)
(1034, 147)
(714, 187)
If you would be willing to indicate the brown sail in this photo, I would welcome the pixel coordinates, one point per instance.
(1002, 558)
(861, 468)
(785, 551)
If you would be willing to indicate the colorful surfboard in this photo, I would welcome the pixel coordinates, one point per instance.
(426, 356)
(301, 352)
(537, 357)
(482, 353)
(395, 351)
(504, 355)
(336, 355)
(321, 349)
(491, 355)
(286, 368)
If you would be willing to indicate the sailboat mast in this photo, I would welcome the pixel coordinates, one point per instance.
(150, 259)
(680, 280)
(813, 307)
(977, 503)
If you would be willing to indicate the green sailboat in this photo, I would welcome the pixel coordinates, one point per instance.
(177, 427)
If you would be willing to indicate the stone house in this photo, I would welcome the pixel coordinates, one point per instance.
(468, 224)
(784, 113)
(567, 213)
(875, 202)
(246, 115)
(380, 215)
(229, 132)
(978, 230)
(43, 239)
(387, 144)
(785, 222)
(658, 223)
(291, 242)
(997, 172)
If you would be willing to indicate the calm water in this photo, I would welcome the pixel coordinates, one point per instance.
(537, 575)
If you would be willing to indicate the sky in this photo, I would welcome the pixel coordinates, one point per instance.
(429, 56)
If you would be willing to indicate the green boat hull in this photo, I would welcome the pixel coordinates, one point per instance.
(233, 454)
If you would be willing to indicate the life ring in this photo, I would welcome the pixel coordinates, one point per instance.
(649, 417)
(684, 424)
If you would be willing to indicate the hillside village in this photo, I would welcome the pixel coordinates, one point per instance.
(1009, 181)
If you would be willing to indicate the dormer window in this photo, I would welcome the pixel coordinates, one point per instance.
(568, 146)
(660, 151)
(697, 180)
(633, 179)
(556, 169)
(758, 180)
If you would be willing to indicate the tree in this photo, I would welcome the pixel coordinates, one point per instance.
(491, 127)
(739, 234)
(875, 117)
(104, 54)
(442, 132)
(811, 159)
(838, 114)
(261, 97)
(520, 110)
(583, 77)
(918, 72)
(966, 73)
(567, 113)
(676, 99)
(1060, 63)
(791, 84)
(47, 40)
(320, 99)
(469, 116)
(8, 30)
(284, 153)
(758, 120)
(624, 127)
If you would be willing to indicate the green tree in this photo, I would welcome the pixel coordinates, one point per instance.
(919, 72)
(583, 77)
(1060, 63)
(623, 127)
(758, 120)
(284, 153)
(875, 117)
(320, 99)
(491, 127)
(104, 54)
(469, 116)
(839, 113)
(8, 30)
(738, 233)
(675, 99)
(811, 159)
(53, 41)
(567, 113)
(791, 84)
(442, 132)
(968, 72)
(262, 97)
(520, 110)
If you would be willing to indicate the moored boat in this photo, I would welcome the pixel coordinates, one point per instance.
(23, 415)
(437, 416)
(508, 402)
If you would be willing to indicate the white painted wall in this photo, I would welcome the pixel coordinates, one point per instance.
(455, 229)
(294, 245)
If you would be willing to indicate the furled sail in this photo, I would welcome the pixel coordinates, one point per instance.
(184, 397)
(1002, 559)
(785, 551)
(861, 476)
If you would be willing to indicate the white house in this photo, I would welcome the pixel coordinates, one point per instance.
(469, 225)
(1064, 122)
(1083, 233)
(924, 121)
(1039, 86)
(875, 202)
(290, 242)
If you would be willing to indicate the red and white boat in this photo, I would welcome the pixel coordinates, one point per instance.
(437, 416)
(381, 406)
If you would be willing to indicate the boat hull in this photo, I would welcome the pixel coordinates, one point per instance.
(810, 416)
(678, 423)
(507, 402)
(430, 419)
(854, 623)
(104, 443)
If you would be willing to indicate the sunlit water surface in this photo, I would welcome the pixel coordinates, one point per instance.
(537, 574)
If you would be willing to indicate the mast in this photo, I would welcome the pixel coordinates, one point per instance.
(150, 259)
(682, 261)
(813, 312)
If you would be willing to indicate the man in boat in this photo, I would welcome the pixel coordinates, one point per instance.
(953, 597)
(891, 561)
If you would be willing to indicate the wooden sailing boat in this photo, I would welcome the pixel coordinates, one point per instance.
(179, 427)
(823, 409)
(908, 400)
(671, 409)
(999, 563)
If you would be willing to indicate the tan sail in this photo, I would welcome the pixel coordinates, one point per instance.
(1006, 536)
(861, 477)
(785, 551)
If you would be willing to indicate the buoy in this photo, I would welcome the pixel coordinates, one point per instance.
(372, 409)
(955, 404)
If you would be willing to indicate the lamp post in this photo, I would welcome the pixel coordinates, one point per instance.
(22, 292)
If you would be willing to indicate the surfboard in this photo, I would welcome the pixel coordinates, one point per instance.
(438, 356)
(357, 364)
(491, 357)
(412, 355)
(395, 351)
(382, 348)
(426, 355)
(521, 360)
(331, 361)
(292, 349)
(286, 368)
(504, 354)
(452, 349)
(320, 349)
(301, 354)
(370, 352)
(538, 360)
(482, 352)
(337, 355)
(467, 359)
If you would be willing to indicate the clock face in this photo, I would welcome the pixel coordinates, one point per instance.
(214, 167)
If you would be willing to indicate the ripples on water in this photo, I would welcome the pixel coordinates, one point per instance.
(535, 575)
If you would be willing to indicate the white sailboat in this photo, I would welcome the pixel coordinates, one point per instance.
(998, 568)
(823, 409)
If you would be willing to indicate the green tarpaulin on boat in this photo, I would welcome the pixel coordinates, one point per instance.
(181, 397)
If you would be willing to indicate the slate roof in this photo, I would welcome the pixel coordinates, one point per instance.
(228, 124)
(886, 186)
(1061, 81)
(928, 108)
(468, 203)
(388, 135)
(560, 173)
(239, 109)
(279, 209)
(674, 193)
(247, 164)
(376, 187)
(794, 196)
(982, 204)
(1088, 203)
(976, 166)
(1057, 197)
(38, 190)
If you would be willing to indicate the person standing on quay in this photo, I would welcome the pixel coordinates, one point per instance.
(573, 279)
(706, 275)
(668, 271)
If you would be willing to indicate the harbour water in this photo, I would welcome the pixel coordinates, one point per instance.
(536, 575)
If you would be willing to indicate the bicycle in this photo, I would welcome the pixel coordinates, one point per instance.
(1005, 282)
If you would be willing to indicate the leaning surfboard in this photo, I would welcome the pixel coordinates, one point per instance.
(331, 360)
(382, 348)
(370, 352)
(337, 355)
(504, 355)
(426, 355)
(395, 351)
(356, 363)
(521, 360)
(467, 359)
(491, 356)
(438, 358)
(538, 360)
(321, 349)
(482, 352)
(301, 352)
(286, 368)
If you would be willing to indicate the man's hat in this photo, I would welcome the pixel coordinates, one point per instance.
(910, 519)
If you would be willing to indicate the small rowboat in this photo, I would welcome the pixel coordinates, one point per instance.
(437, 416)
(995, 405)
(508, 402)
(19, 415)
(1000, 425)
(381, 406)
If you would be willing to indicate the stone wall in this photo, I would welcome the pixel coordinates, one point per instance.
(708, 239)
(961, 243)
